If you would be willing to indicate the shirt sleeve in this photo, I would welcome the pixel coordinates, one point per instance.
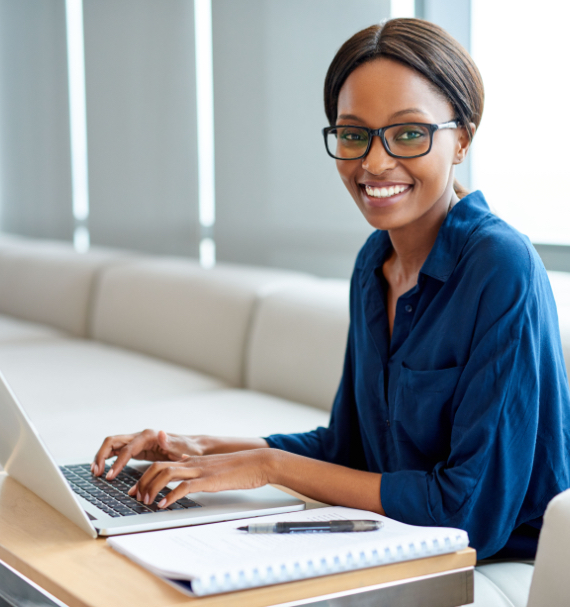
(508, 416)
(341, 442)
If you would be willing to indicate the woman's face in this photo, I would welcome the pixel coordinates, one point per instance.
(384, 92)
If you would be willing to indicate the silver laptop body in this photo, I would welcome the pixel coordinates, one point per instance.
(26, 458)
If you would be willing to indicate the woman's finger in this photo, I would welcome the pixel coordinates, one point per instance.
(160, 474)
(141, 442)
(110, 447)
(179, 492)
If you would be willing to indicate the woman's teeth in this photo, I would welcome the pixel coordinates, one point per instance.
(385, 192)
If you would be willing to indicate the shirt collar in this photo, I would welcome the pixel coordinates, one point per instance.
(454, 232)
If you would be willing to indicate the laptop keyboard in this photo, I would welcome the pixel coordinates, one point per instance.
(112, 496)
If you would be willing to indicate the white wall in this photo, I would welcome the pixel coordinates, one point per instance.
(279, 199)
(141, 124)
(35, 173)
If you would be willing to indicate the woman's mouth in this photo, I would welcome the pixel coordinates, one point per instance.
(385, 192)
(384, 195)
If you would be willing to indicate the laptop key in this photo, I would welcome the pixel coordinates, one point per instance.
(122, 509)
(188, 503)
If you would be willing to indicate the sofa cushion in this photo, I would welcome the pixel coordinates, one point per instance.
(298, 340)
(11, 240)
(12, 329)
(50, 284)
(487, 594)
(560, 283)
(61, 376)
(178, 311)
(216, 412)
(510, 581)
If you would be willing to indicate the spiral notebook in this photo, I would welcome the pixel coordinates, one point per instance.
(216, 558)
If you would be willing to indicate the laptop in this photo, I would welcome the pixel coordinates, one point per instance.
(102, 508)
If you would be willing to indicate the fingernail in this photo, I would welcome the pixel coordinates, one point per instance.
(132, 490)
(162, 503)
(139, 496)
(110, 474)
(95, 469)
(92, 467)
(147, 499)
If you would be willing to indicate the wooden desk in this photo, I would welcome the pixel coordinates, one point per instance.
(44, 546)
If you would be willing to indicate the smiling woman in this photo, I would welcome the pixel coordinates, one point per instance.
(454, 401)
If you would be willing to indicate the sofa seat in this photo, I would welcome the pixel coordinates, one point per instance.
(230, 412)
(16, 330)
(78, 391)
(502, 584)
(63, 376)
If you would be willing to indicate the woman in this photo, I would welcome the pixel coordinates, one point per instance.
(454, 400)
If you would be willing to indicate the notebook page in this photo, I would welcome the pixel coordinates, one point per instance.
(218, 549)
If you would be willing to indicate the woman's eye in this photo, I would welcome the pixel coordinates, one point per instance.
(410, 135)
(352, 136)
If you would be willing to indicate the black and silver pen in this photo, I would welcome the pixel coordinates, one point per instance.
(341, 526)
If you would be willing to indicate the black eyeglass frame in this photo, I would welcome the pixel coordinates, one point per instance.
(452, 124)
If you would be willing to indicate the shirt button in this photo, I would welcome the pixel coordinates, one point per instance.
(388, 422)
(408, 308)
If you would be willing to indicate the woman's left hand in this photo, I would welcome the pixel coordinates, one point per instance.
(210, 473)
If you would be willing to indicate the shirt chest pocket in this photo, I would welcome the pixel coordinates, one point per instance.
(422, 416)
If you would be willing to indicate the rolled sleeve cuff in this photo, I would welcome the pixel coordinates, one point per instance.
(402, 496)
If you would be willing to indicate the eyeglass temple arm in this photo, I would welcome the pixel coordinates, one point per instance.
(452, 124)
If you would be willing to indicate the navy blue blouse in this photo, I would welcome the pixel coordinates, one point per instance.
(466, 409)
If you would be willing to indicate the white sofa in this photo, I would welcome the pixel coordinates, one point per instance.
(110, 342)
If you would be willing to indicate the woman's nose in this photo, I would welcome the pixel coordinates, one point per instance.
(377, 160)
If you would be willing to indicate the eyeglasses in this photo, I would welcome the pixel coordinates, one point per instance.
(405, 140)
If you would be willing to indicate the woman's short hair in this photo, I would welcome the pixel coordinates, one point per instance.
(422, 46)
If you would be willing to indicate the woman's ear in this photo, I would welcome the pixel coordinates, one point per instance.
(463, 142)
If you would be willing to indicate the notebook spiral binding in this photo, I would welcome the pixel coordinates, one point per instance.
(239, 579)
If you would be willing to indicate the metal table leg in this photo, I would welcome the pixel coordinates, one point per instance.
(17, 591)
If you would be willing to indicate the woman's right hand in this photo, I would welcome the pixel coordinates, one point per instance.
(148, 445)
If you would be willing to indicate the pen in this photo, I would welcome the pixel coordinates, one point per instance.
(342, 526)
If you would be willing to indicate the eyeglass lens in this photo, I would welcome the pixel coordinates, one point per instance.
(347, 143)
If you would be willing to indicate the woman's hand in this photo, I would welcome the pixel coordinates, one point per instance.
(148, 445)
(210, 473)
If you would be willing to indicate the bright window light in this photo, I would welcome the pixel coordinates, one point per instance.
(205, 111)
(81, 239)
(77, 112)
(402, 8)
(207, 253)
(520, 154)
